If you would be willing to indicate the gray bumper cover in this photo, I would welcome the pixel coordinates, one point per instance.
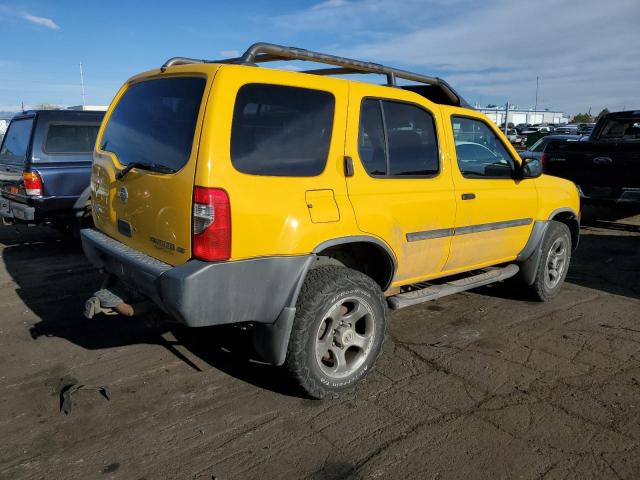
(261, 290)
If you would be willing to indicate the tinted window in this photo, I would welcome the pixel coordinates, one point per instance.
(154, 122)
(479, 151)
(371, 140)
(281, 131)
(539, 145)
(407, 135)
(70, 138)
(16, 140)
(412, 140)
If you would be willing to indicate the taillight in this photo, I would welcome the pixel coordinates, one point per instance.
(544, 161)
(211, 224)
(32, 183)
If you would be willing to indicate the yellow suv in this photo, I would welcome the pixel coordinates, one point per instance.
(303, 205)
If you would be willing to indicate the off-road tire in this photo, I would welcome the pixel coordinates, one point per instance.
(556, 232)
(324, 287)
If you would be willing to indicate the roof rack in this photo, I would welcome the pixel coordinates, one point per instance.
(269, 52)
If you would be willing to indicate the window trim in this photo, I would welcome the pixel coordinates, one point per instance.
(380, 101)
(69, 123)
(284, 85)
(469, 117)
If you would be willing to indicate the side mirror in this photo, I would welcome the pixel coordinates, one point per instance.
(531, 168)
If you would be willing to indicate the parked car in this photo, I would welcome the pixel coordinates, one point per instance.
(515, 138)
(521, 127)
(301, 206)
(606, 167)
(566, 130)
(537, 149)
(545, 129)
(45, 167)
(585, 128)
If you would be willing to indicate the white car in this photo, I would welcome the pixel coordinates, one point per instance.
(515, 138)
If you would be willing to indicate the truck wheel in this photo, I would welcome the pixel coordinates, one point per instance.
(338, 332)
(554, 262)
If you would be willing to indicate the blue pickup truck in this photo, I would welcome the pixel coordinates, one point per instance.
(45, 168)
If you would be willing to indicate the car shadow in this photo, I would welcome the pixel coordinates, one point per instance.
(53, 279)
(607, 258)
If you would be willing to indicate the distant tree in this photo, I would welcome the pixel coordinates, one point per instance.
(605, 111)
(582, 118)
(491, 105)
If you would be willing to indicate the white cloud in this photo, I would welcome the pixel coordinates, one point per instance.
(329, 4)
(586, 56)
(229, 53)
(42, 21)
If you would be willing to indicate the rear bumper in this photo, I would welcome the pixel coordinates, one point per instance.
(37, 209)
(11, 210)
(201, 293)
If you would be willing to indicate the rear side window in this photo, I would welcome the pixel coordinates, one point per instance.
(281, 131)
(154, 122)
(70, 138)
(397, 140)
(16, 140)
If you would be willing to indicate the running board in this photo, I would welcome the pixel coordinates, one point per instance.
(433, 292)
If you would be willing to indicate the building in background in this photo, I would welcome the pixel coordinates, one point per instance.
(5, 118)
(95, 108)
(519, 115)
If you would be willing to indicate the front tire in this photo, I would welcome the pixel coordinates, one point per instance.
(554, 262)
(339, 330)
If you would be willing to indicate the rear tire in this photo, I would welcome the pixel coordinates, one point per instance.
(554, 262)
(338, 332)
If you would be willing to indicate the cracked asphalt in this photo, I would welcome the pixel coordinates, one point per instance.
(483, 384)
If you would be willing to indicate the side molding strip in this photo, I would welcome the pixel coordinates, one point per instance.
(482, 227)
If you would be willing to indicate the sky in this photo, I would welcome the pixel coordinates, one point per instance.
(586, 53)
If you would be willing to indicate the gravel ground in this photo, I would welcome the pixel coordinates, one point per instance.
(482, 384)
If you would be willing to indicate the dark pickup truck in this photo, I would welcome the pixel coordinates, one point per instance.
(606, 167)
(45, 167)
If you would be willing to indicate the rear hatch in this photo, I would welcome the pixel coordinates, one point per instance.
(14, 154)
(145, 160)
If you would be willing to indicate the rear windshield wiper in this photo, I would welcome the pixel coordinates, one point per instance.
(154, 167)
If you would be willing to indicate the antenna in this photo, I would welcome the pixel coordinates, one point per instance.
(82, 83)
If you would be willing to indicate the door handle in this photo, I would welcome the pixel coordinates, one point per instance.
(468, 196)
(348, 166)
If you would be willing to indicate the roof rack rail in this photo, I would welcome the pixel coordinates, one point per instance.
(269, 52)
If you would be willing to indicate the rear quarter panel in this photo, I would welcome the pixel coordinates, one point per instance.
(269, 214)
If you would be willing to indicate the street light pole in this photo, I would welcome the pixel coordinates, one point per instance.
(82, 84)
(535, 108)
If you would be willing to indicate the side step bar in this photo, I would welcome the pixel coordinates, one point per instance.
(433, 292)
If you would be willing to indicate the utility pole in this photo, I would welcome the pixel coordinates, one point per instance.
(82, 84)
(535, 108)
(506, 117)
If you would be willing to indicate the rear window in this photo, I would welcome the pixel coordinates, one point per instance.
(70, 138)
(281, 131)
(16, 140)
(539, 145)
(154, 122)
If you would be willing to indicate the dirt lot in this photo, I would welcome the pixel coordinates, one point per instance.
(477, 385)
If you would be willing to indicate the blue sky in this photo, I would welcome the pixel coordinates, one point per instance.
(586, 52)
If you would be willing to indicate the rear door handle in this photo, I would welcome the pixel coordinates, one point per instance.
(468, 196)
